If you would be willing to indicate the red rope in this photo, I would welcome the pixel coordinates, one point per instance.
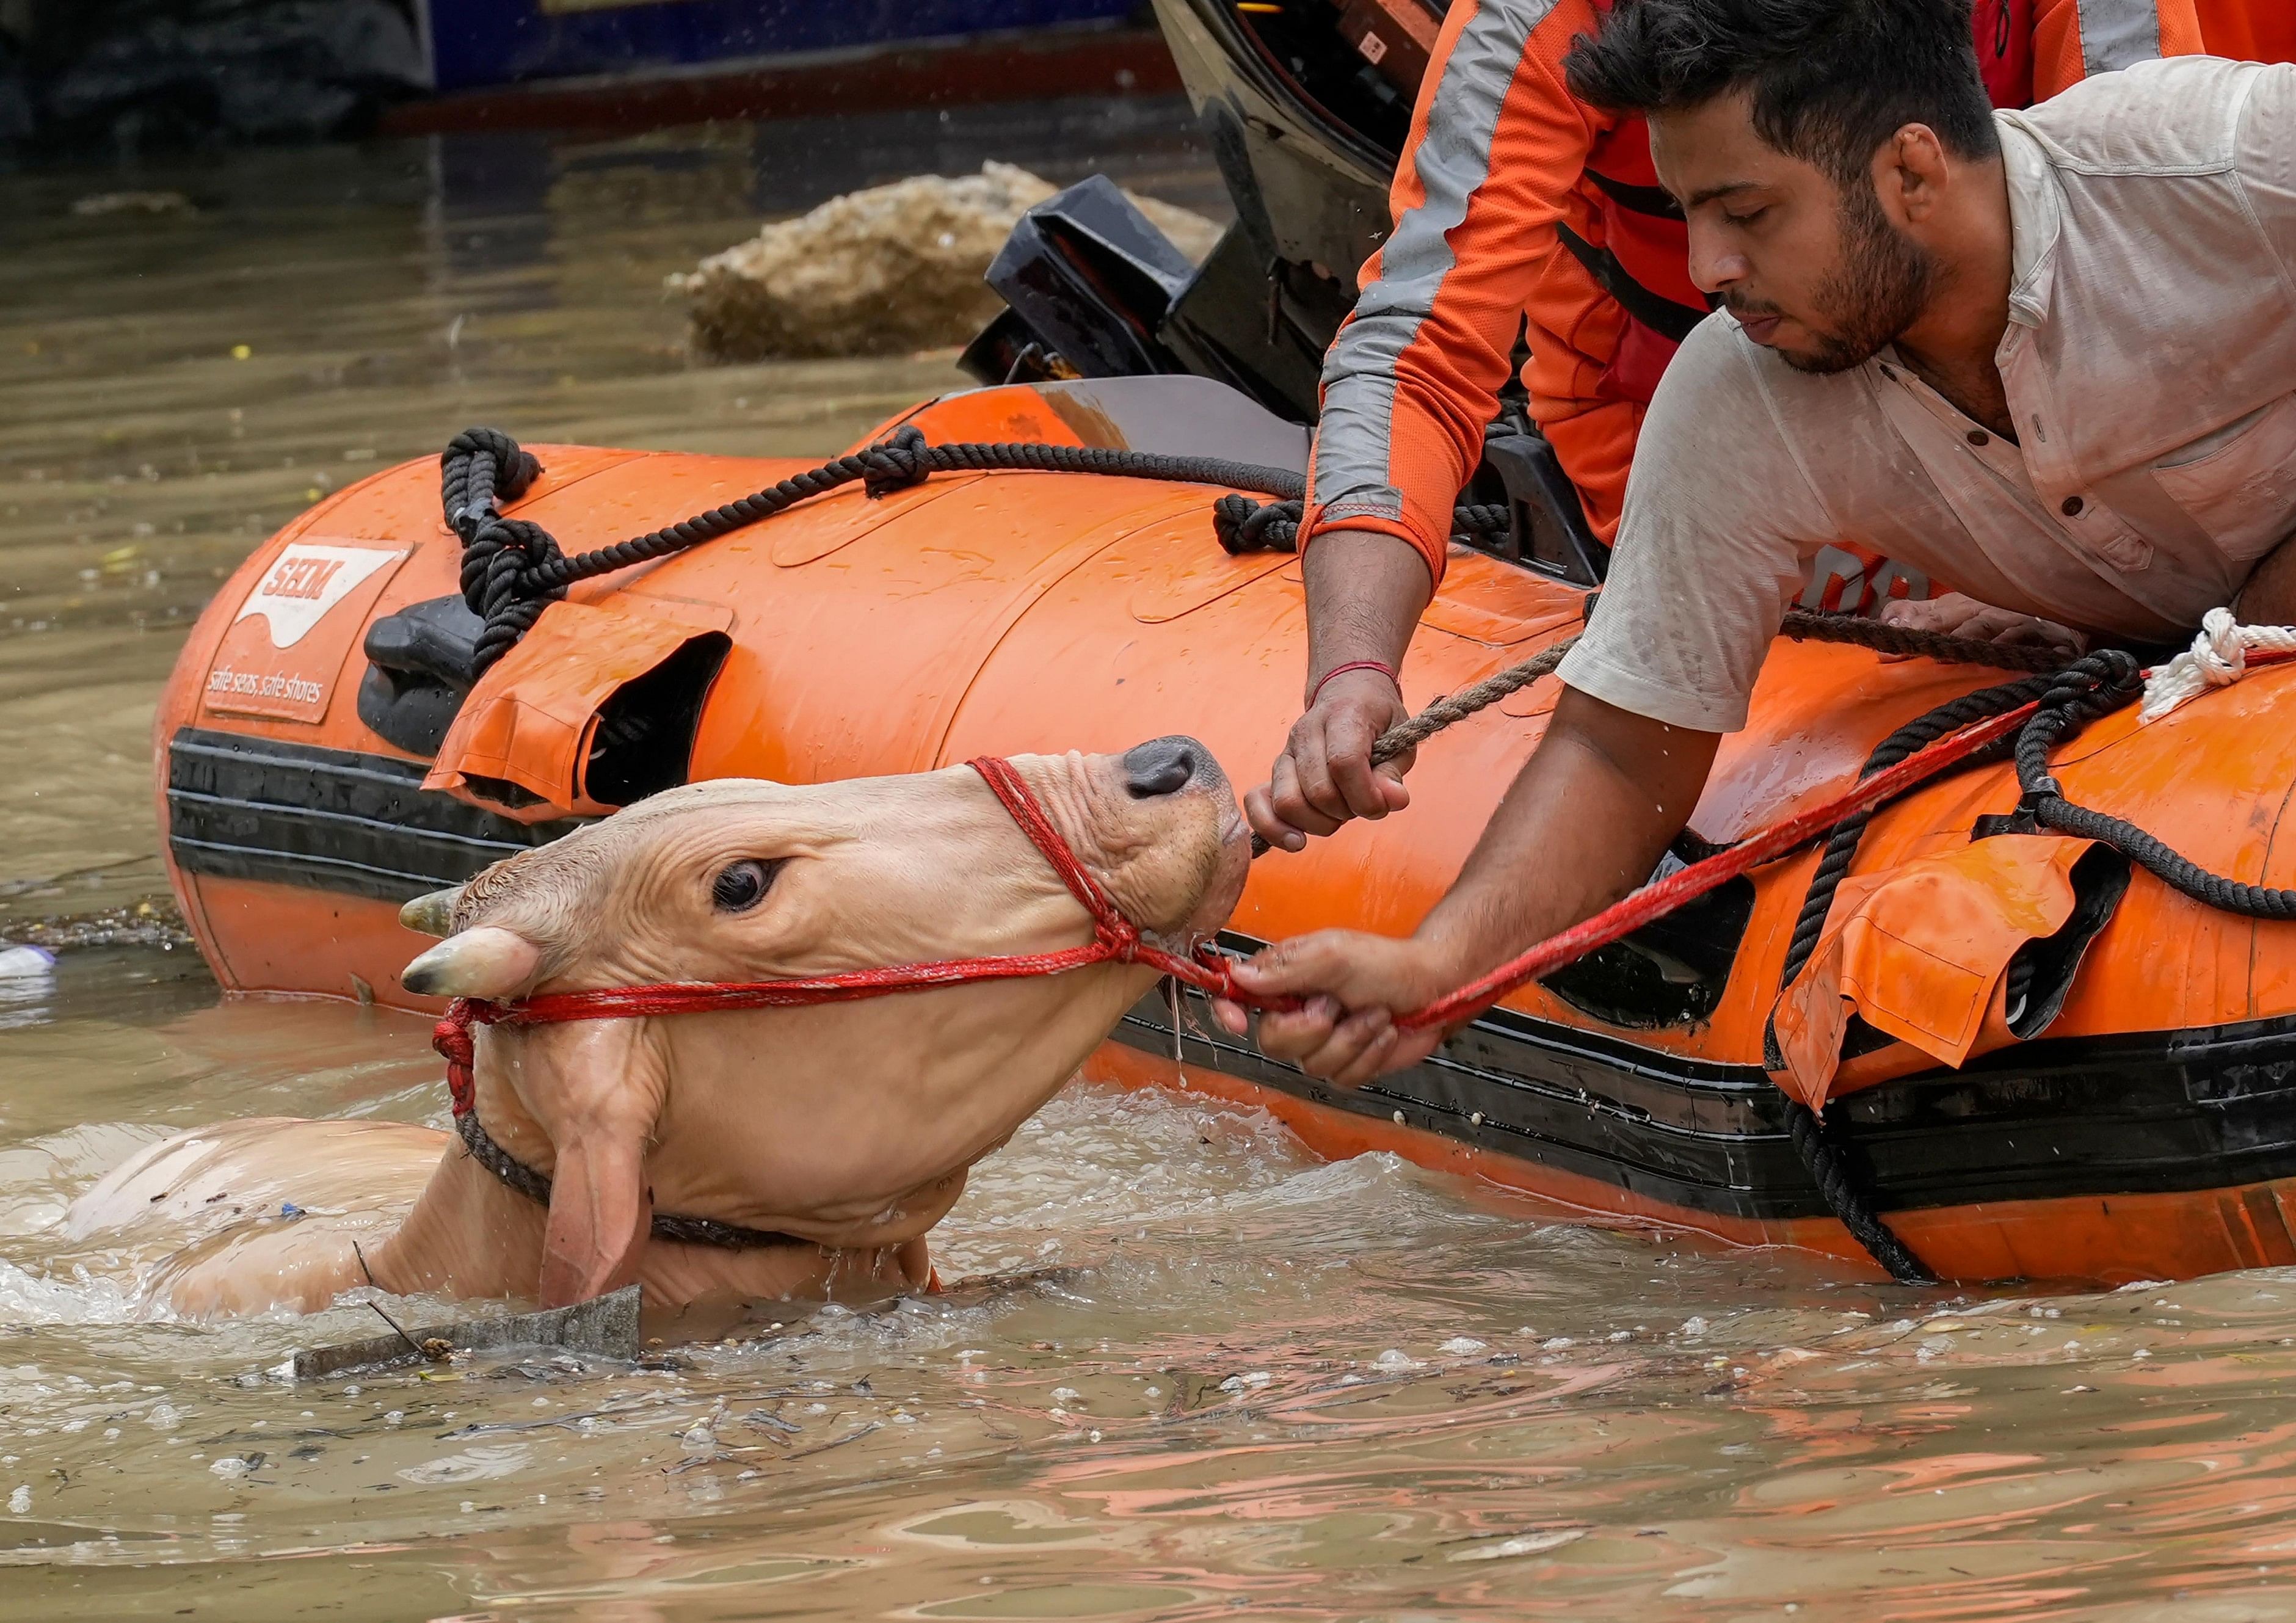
(1625, 917)
(1116, 940)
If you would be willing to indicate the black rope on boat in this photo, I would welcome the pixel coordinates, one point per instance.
(1842, 844)
(512, 569)
(2070, 698)
(2083, 691)
(1845, 1194)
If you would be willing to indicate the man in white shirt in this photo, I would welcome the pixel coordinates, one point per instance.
(2047, 358)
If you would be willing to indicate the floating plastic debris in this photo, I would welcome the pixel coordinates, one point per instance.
(26, 963)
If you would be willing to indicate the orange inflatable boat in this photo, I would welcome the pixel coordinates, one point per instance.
(2039, 1063)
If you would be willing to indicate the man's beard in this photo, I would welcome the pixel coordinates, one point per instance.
(1874, 291)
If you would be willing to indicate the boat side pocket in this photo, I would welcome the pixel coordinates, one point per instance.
(1926, 952)
(594, 707)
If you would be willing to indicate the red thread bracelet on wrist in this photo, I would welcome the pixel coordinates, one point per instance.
(1381, 665)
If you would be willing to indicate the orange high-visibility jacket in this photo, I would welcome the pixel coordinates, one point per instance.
(1515, 201)
(2248, 30)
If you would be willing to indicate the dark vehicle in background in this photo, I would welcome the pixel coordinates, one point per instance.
(1306, 105)
(147, 75)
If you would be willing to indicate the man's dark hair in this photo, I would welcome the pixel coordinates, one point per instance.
(1828, 80)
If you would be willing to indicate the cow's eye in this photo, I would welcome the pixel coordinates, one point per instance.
(743, 885)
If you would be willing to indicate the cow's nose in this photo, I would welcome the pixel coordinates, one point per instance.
(1162, 767)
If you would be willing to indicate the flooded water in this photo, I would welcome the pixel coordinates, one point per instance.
(1205, 1376)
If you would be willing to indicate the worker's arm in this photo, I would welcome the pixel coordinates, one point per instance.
(1364, 596)
(2074, 38)
(1583, 823)
(1497, 147)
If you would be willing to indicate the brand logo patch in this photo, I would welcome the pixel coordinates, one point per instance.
(305, 581)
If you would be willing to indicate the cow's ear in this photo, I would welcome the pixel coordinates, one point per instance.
(601, 1216)
(596, 1087)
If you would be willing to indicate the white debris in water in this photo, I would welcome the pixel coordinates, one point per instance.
(881, 271)
(1067, 1396)
(232, 1467)
(20, 1503)
(26, 963)
(1258, 1378)
(1694, 1327)
(1462, 1347)
(1393, 1358)
(480, 1463)
(1528, 1544)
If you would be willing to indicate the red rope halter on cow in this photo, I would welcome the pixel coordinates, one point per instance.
(1115, 939)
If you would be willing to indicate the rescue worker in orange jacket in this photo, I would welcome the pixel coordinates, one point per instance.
(1515, 201)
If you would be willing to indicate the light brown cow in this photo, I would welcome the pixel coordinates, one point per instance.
(850, 1126)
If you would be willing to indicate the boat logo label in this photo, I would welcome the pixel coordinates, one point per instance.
(281, 654)
(305, 581)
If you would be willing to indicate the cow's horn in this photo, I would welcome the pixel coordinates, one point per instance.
(433, 913)
(485, 960)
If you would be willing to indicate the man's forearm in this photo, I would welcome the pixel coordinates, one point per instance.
(1365, 591)
(1584, 822)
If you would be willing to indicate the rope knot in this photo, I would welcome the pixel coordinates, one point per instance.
(481, 467)
(2219, 650)
(1119, 936)
(896, 463)
(2218, 658)
(451, 1037)
(1245, 526)
(505, 583)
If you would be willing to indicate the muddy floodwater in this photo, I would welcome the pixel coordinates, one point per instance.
(1200, 1375)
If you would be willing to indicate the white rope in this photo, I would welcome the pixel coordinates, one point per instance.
(2218, 658)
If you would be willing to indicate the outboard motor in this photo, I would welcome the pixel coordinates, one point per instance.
(1305, 111)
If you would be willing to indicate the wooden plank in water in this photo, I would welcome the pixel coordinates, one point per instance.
(605, 1326)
